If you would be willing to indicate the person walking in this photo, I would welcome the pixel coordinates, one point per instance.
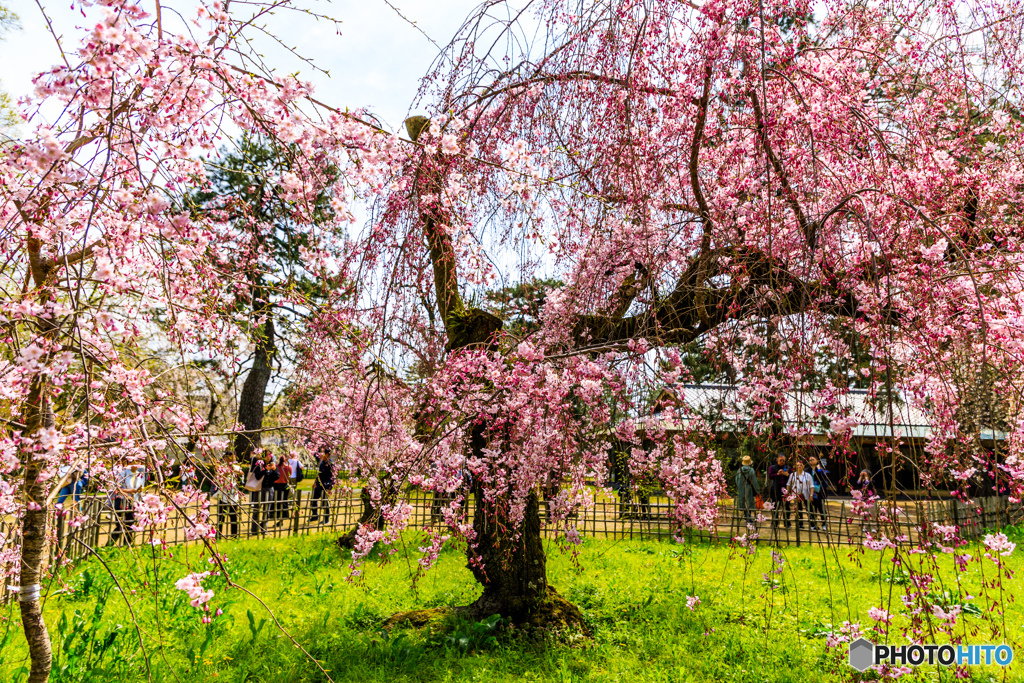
(819, 477)
(281, 490)
(747, 488)
(321, 488)
(778, 478)
(130, 481)
(801, 488)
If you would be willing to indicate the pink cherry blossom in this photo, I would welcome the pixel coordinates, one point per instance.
(999, 543)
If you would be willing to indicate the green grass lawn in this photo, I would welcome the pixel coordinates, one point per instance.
(632, 593)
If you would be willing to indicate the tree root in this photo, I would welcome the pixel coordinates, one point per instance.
(348, 540)
(552, 613)
(417, 618)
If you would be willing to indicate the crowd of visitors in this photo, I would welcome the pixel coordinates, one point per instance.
(270, 485)
(801, 490)
(796, 489)
(270, 482)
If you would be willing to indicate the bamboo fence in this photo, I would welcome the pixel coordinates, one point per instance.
(902, 522)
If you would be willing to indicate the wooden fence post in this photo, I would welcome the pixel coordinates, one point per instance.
(843, 521)
(297, 512)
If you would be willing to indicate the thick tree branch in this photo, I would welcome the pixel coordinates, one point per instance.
(808, 228)
(695, 144)
(435, 229)
(463, 327)
(696, 307)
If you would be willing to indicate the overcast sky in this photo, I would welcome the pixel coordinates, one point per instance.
(376, 62)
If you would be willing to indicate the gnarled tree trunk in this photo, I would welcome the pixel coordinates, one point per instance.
(511, 566)
(369, 515)
(509, 563)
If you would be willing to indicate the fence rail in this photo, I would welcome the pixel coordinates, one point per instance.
(261, 516)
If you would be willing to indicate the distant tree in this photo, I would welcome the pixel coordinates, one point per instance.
(520, 305)
(252, 188)
(8, 117)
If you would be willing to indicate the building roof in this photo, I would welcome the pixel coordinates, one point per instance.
(730, 408)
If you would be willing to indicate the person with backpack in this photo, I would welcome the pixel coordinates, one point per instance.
(747, 489)
(321, 488)
(259, 482)
(819, 478)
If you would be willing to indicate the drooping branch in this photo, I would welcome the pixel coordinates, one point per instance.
(579, 76)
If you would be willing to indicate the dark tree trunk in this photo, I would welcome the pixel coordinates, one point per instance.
(250, 403)
(369, 516)
(511, 566)
(514, 567)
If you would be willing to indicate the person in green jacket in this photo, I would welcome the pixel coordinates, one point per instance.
(747, 487)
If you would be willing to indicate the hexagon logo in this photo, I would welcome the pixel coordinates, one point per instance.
(862, 654)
